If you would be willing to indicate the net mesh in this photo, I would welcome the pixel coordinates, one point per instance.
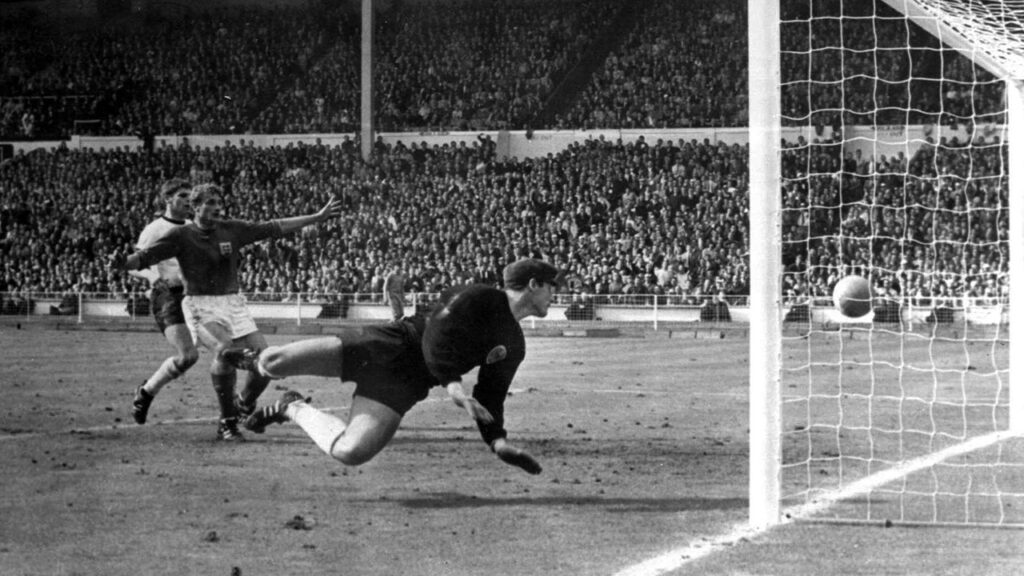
(991, 27)
(895, 167)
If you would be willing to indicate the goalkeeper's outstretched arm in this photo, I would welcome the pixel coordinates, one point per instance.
(500, 446)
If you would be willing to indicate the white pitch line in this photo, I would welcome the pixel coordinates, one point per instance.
(675, 559)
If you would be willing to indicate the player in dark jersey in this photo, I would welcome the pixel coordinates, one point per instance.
(167, 290)
(395, 365)
(208, 251)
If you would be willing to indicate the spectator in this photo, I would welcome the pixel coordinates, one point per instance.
(715, 309)
(394, 291)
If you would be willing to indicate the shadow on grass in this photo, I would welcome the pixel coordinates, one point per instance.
(449, 500)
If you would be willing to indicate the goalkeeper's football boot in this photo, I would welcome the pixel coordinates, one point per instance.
(273, 414)
(241, 358)
(227, 430)
(140, 404)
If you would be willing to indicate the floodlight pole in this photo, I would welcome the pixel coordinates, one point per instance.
(764, 63)
(366, 135)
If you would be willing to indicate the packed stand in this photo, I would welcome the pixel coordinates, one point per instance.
(627, 219)
(684, 64)
(324, 99)
(468, 65)
(34, 104)
(859, 63)
(205, 73)
(927, 229)
(630, 221)
(456, 64)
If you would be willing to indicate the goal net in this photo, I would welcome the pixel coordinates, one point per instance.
(895, 120)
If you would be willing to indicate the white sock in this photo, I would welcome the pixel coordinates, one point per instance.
(321, 427)
(165, 373)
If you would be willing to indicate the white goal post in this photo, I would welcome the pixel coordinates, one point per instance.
(765, 263)
(911, 468)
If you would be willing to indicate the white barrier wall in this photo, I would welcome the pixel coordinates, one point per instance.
(887, 140)
(303, 311)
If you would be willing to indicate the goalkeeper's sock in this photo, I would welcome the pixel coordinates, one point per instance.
(323, 428)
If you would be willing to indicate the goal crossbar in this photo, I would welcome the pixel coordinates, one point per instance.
(1002, 59)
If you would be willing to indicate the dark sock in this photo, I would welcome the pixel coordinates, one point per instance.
(254, 385)
(224, 388)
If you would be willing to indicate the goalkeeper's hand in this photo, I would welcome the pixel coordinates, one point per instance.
(472, 407)
(509, 454)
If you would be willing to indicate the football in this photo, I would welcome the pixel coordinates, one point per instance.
(852, 296)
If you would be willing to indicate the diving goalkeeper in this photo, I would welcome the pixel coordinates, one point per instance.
(395, 365)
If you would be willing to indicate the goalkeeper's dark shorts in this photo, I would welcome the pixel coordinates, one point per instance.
(166, 303)
(386, 363)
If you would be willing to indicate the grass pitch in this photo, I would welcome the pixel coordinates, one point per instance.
(643, 443)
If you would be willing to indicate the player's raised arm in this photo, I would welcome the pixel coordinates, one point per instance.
(330, 210)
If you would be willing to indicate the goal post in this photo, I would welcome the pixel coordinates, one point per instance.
(1015, 113)
(765, 265)
(879, 150)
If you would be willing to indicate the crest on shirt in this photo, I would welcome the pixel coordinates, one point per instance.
(497, 354)
(225, 248)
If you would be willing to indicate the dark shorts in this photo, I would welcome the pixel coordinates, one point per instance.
(166, 303)
(386, 363)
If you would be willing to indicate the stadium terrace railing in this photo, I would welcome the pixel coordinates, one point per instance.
(650, 310)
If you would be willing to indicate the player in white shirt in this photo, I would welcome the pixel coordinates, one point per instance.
(167, 292)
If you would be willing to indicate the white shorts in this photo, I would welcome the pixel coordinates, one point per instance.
(228, 311)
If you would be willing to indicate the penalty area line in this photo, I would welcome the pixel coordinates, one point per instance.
(675, 559)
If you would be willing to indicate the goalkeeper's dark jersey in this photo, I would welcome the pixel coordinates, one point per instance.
(473, 326)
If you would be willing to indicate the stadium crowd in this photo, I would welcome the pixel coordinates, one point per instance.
(208, 74)
(684, 65)
(464, 64)
(932, 227)
(652, 218)
(856, 63)
(628, 220)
